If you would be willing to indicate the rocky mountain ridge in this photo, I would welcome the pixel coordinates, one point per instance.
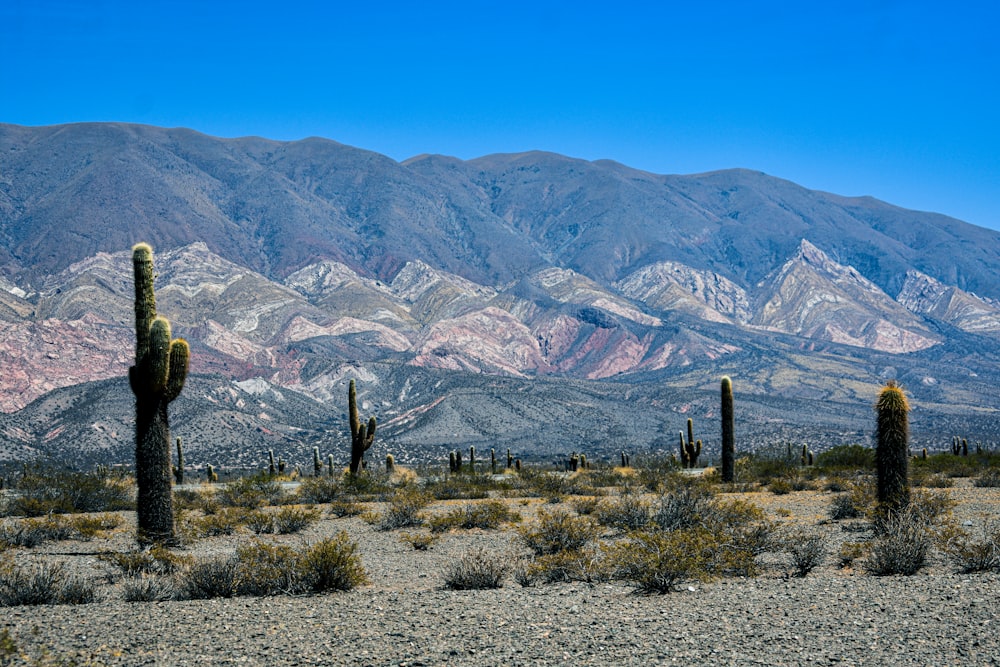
(291, 267)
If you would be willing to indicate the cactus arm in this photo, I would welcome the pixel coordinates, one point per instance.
(352, 410)
(180, 356)
(145, 298)
(370, 437)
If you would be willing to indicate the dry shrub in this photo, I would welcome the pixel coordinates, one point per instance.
(477, 569)
(486, 515)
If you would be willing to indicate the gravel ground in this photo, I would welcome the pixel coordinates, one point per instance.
(405, 617)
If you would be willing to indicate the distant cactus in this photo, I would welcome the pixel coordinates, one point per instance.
(452, 468)
(317, 463)
(574, 462)
(156, 379)
(892, 434)
(458, 461)
(493, 461)
(179, 469)
(805, 455)
(281, 466)
(362, 437)
(210, 474)
(923, 454)
(329, 463)
(271, 469)
(956, 445)
(510, 461)
(517, 465)
(583, 461)
(472, 458)
(965, 447)
(690, 451)
(728, 432)
(390, 463)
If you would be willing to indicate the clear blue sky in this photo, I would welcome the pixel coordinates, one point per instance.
(898, 100)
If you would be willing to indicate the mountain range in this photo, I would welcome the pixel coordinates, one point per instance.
(532, 301)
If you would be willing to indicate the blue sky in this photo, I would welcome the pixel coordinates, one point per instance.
(898, 100)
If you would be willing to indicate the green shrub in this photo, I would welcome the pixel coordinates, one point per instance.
(487, 515)
(294, 519)
(627, 512)
(45, 490)
(557, 531)
(587, 564)
(847, 457)
(259, 490)
(332, 564)
(345, 508)
(989, 478)
(681, 506)
(658, 561)
(477, 569)
(405, 509)
(419, 541)
(155, 560)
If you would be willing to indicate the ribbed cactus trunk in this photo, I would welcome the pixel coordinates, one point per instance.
(728, 432)
(892, 435)
(362, 436)
(156, 379)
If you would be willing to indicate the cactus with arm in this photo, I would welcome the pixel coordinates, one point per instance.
(362, 436)
(156, 379)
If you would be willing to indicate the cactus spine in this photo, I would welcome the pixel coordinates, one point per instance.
(728, 432)
(362, 437)
(179, 470)
(156, 379)
(892, 434)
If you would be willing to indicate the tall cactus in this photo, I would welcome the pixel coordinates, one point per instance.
(892, 434)
(728, 432)
(156, 379)
(362, 436)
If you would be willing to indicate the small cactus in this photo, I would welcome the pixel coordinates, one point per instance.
(493, 461)
(965, 447)
(517, 465)
(956, 445)
(583, 461)
(329, 464)
(390, 463)
(574, 462)
(179, 468)
(210, 474)
(272, 470)
(892, 433)
(458, 461)
(317, 463)
(510, 461)
(452, 468)
(472, 458)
